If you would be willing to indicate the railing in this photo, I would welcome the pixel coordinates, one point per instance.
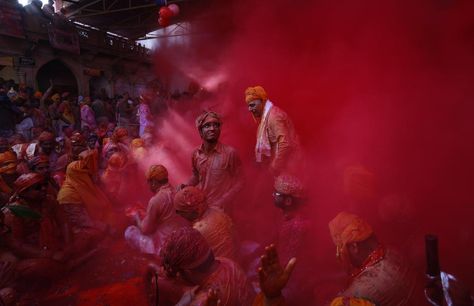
(89, 37)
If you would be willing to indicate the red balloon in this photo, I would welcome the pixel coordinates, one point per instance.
(164, 22)
(166, 13)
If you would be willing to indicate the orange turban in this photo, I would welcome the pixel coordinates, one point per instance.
(27, 180)
(184, 249)
(8, 162)
(289, 185)
(255, 93)
(119, 134)
(202, 119)
(157, 172)
(347, 228)
(46, 136)
(350, 301)
(117, 161)
(38, 95)
(190, 199)
(138, 143)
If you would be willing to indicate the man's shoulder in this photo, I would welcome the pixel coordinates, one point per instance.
(227, 148)
(277, 112)
(164, 194)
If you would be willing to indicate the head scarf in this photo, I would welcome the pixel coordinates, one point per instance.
(8, 162)
(157, 172)
(39, 160)
(186, 249)
(46, 136)
(255, 93)
(190, 199)
(348, 228)
(27, 180)
(350, 301)
(289, 185)
(202, 119)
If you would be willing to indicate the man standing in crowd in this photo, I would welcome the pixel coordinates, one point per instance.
(216, 166)
(277, 142)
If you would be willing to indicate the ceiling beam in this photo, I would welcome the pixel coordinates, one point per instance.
(82, 7)
(115, 11)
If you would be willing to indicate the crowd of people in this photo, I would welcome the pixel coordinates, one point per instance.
(66, 164)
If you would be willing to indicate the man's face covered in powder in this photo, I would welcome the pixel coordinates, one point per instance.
(211, 130)
(256, 108)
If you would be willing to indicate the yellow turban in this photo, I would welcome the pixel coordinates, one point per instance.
(347, 228)
(137, 143)
(157, 172)
(255, 93)
(350, 301)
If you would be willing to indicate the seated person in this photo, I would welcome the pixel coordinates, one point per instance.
(186, 255)
(160, 219)
(211, 222)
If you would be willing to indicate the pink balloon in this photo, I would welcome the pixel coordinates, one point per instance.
(174, 8)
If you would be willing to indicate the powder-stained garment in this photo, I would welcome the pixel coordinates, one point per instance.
(389, 282)
(230, 282)
(218, 174)
(217, 229)
(160, 221)
(294, 239)
(79, 188)
(87, 117)
(40, 233)
(282, 136)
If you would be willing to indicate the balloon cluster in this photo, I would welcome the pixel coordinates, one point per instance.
(166, 13)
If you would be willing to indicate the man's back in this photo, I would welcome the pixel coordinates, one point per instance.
(217, 228)
(389, 282)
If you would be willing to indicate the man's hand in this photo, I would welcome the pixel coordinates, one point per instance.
(273, 278)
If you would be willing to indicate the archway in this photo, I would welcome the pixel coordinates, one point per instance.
(62, 77)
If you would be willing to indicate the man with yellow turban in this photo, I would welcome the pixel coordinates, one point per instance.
(160, 218)
(186, 255)
(216, 166)
(277, 141)
(213, 224)
(377, 273)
